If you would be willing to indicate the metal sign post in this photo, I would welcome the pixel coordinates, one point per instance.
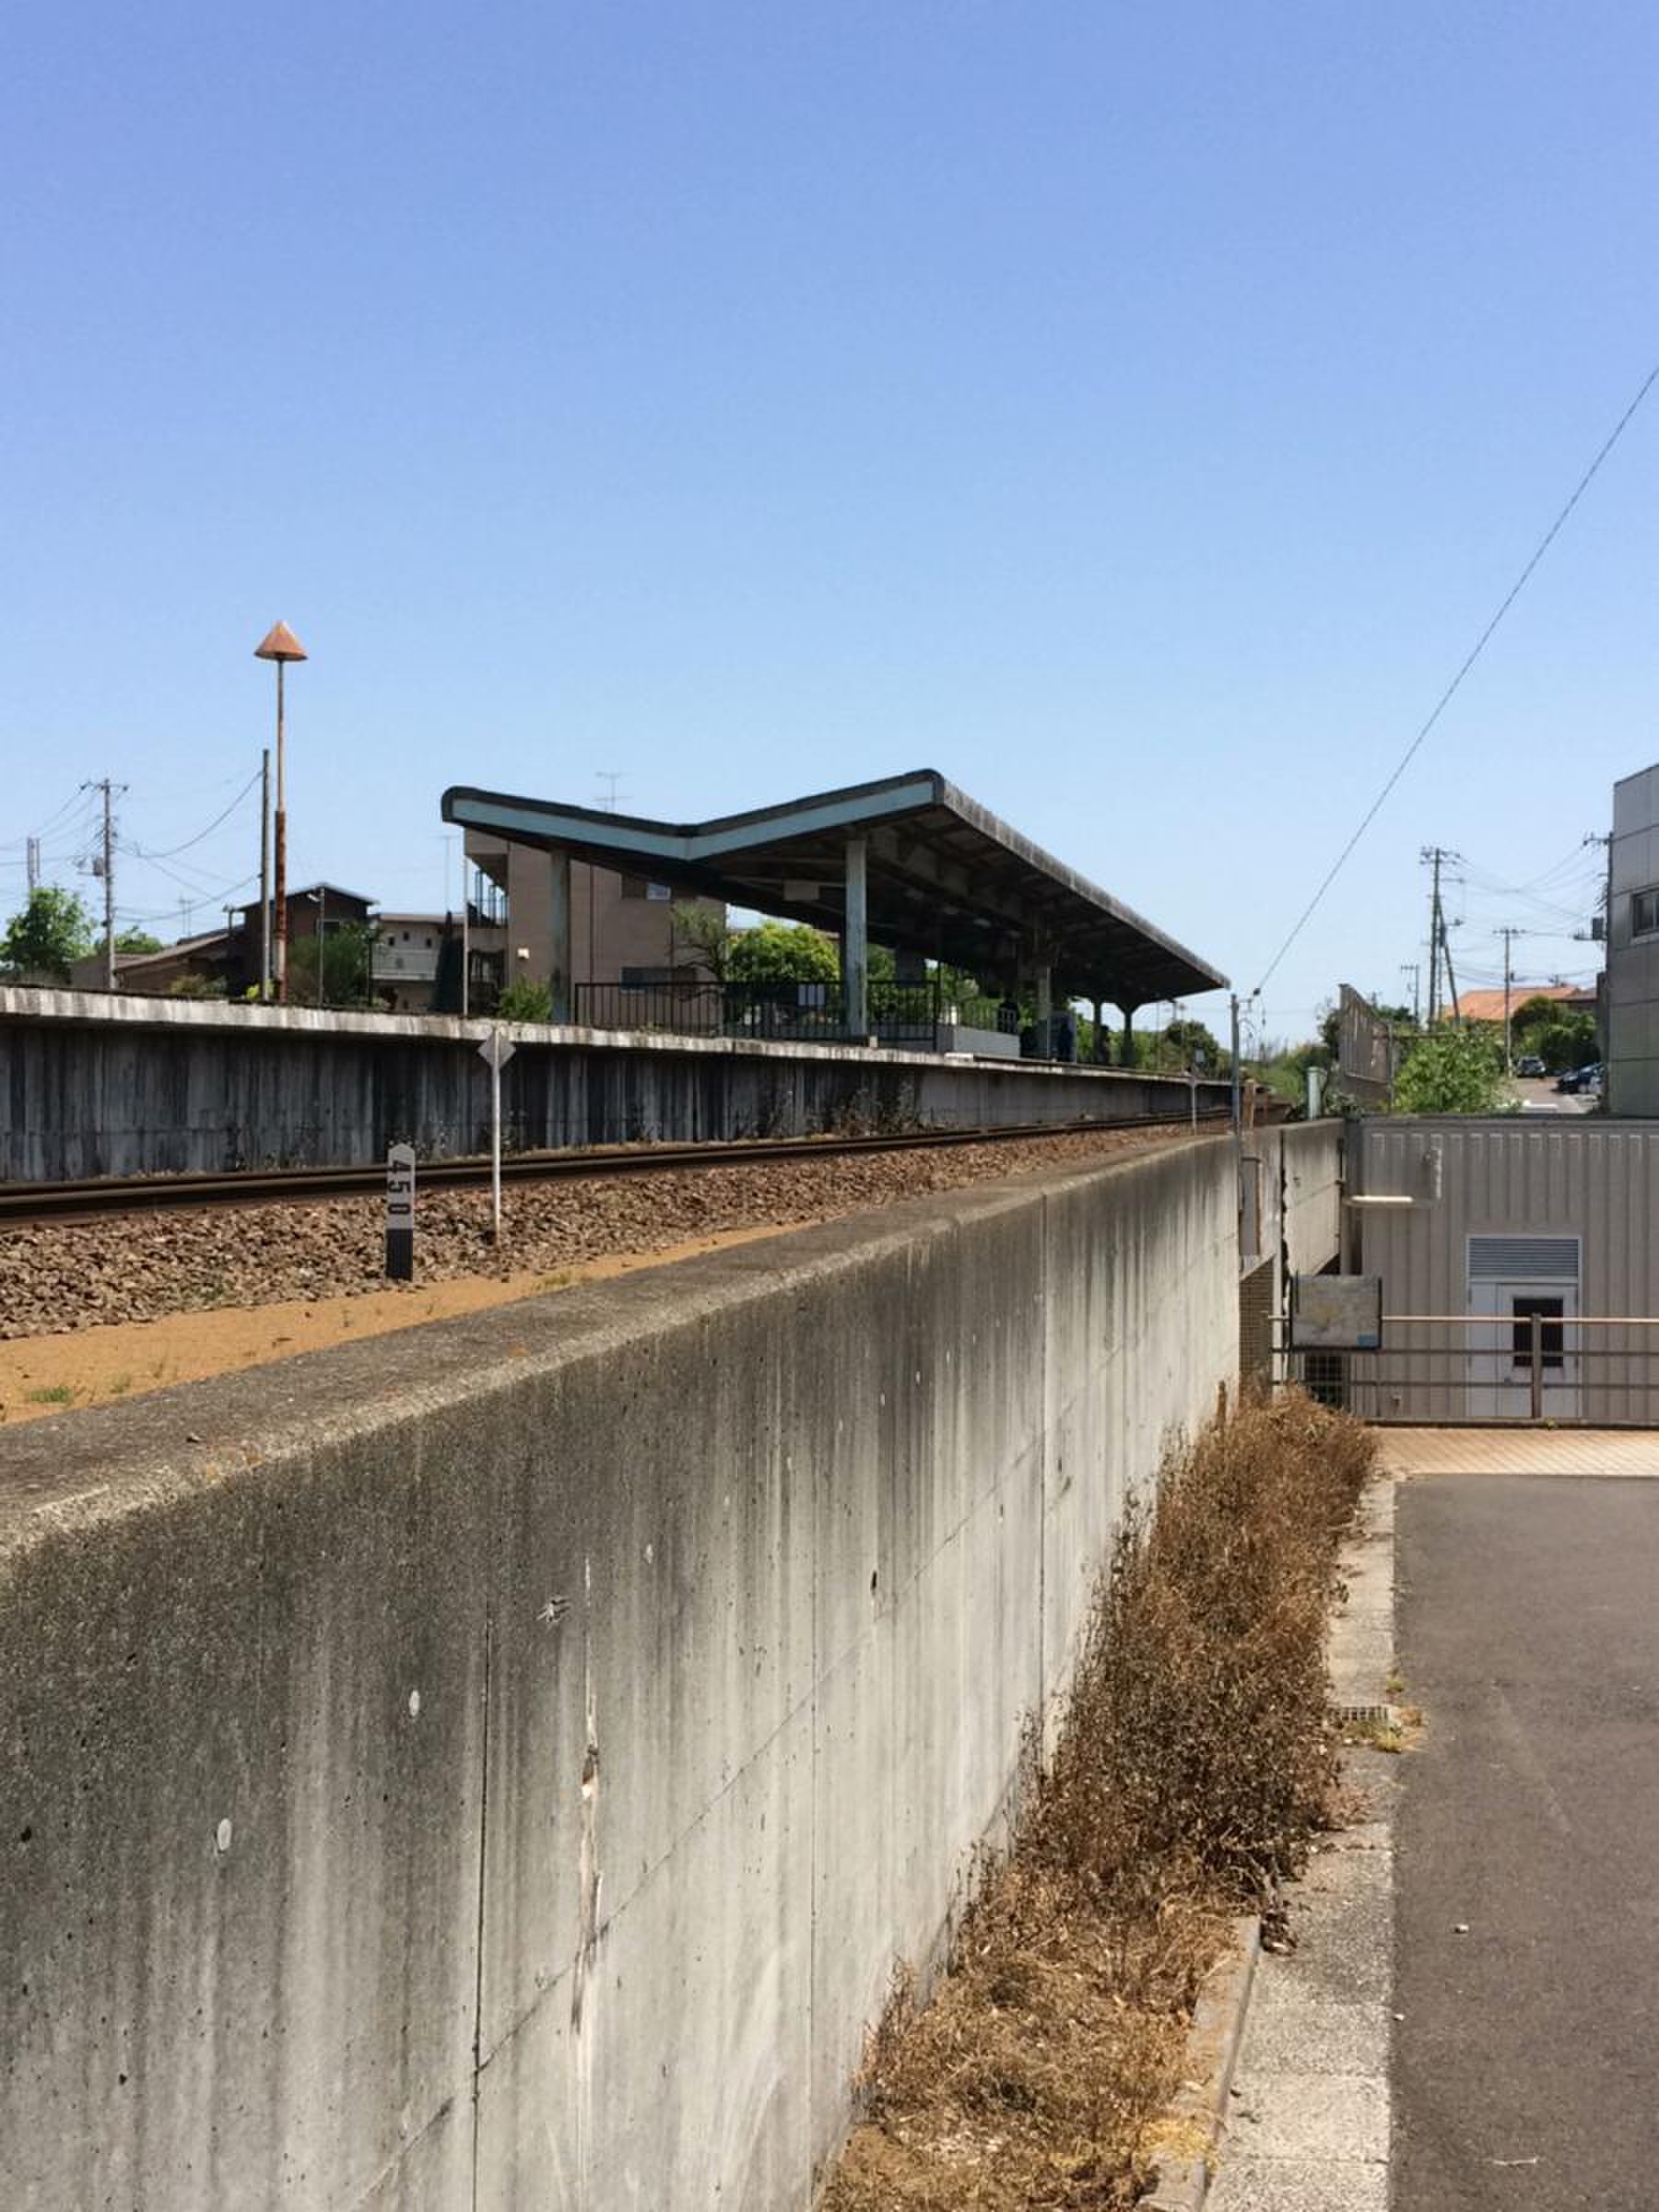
(497, 1049)
(400, 1214)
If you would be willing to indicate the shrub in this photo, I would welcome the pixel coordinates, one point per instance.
(526, 1000)
(1450, 1071)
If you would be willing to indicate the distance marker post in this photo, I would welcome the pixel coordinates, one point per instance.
(497, 1049)
(400, 1214)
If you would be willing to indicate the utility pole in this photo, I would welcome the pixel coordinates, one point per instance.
(105, 868)
(34, 864)
(1413, 969)
(264, 875)
(1451, 979)
(1436, 856)
(1433, 854)
(466, 937)
(1509, 936)
(1238, 1123)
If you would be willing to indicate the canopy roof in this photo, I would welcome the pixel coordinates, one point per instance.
(946, 879)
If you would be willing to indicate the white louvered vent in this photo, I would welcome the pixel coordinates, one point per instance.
(1525, 1259)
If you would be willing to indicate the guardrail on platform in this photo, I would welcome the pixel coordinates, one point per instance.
(1535, 1364)
(788, 1011)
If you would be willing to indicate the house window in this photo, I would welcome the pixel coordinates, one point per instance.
(1644, 912)
(662, 893)
(646, 979)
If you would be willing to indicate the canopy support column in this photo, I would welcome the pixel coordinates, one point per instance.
(559, 979)
(1043, 984)
(855, 942)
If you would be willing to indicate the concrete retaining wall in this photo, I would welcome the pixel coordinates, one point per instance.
(500, 1764)
(110, 1085)
(1302, 1169)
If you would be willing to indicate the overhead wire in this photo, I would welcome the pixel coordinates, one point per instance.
(139, 853)
(1468, 662)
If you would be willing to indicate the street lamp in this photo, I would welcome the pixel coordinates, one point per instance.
(280, 644)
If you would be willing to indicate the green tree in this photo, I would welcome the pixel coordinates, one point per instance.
(784, 952)
(48, 935)
(1187, 1040)
(1566, 1040)
(346, 953)
(136, 940)
(1531, 1014)
(1450, 1071)
(707, 933)
(526, 1000)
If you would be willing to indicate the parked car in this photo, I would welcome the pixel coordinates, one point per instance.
(1582, 1078)
(1529, 1063)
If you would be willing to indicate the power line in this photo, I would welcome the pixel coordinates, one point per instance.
(1475, 652)
(173, 852)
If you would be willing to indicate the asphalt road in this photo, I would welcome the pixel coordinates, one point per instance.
(1527, 2063)
(1542, 1097)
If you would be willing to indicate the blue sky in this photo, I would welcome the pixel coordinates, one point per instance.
(1134, 412)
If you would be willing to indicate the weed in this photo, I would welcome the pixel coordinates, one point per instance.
(53, 1394)
(119, 1386)
(1195, 1765)
(1376, 1734)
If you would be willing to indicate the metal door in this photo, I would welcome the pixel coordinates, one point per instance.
(1501, 1384)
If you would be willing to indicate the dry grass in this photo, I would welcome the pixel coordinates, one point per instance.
(1195, 1763)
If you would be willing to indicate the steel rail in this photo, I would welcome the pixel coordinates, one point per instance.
(26, 1204)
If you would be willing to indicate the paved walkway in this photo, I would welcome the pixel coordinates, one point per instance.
(1409, 1451)
(1308, 2130)
(1526, 1943)
(1482, 2038)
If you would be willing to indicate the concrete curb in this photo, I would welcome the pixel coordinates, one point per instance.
(1191, 2130)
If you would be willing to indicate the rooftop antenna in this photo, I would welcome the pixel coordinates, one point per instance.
(613, 776)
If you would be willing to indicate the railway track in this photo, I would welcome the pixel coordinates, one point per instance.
(26, 1204)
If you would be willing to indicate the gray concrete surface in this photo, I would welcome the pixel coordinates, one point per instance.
(96, 1085)
(500, 1764)
(1309, 2129)
(1538, 1094)
(1529, 1632)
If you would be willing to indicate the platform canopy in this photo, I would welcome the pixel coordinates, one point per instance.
(945, 879)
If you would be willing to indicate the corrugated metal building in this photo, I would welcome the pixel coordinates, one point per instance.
(1476, 1224)
(1632, 1008)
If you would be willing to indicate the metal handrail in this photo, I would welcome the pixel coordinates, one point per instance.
(1541, 1349)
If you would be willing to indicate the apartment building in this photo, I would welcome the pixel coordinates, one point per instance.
(622, 927)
